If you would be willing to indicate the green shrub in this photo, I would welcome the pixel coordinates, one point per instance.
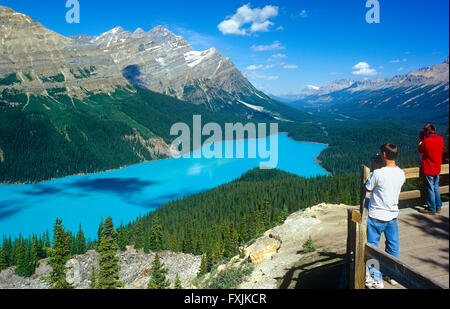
(309, 246)
(230, 278)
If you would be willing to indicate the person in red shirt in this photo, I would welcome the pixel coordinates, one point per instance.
(432, 147)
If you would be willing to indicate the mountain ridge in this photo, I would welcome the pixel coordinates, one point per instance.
(420, 95)
(157, 60)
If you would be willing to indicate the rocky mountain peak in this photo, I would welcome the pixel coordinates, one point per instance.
(139, 31)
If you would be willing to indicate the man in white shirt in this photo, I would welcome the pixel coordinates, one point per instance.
(385, 184)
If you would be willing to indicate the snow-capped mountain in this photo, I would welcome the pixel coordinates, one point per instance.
(422, 95)
(157, 60)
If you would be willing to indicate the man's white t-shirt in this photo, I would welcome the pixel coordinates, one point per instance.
(386, 184)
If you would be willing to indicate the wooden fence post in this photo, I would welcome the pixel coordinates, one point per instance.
(351, 248)
(365, 175)
(360, 264)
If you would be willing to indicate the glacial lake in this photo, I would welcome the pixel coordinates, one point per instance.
(126, 193)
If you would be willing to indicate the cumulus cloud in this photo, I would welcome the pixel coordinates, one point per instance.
(248, 21)
(290, 66)
(303, 14)
(260, 67)
(398, 60)
(264, 77)
(277, 56)
(364, 69)
(275, 46)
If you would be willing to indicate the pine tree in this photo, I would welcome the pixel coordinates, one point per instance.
(108, 273)
(5, 253)
(121, 238)
(99, 233)
(59, 255)
(139, 241)
(93, 279)
(158, 275)
(188, 244)
(80, 241)
(35, 254)
(203, 266)
(266, 213)
(22, 264)
(156, 235)
(177, 284)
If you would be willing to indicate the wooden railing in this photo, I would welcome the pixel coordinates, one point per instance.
(359, 252)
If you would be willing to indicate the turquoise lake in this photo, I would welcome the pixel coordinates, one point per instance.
(125, 194)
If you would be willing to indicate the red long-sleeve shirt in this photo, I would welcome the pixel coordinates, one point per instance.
(432, 148)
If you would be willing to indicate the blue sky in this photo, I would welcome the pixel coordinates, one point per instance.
(281, 45)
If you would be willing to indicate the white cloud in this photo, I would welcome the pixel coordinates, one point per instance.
(398, 60)
(275, 46)
(277, 56)
(264, 77)
(363, 68)
(260, 67)
(312, 87)
(303, 14)
(258, 20)
(290, 67)
(401, 69)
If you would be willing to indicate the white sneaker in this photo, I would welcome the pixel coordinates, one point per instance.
(372, 284)
(391, 281)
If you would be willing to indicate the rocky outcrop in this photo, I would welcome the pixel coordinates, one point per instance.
(134, 271)
(264, 248)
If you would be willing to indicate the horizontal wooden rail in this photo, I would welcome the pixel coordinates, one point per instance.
(414, 172)
(400, 272)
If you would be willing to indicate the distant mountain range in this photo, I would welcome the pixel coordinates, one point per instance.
(421, 96)
(35, 59)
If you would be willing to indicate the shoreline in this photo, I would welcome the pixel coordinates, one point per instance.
(316, 160)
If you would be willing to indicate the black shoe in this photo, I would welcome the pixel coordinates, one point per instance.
(427, 211)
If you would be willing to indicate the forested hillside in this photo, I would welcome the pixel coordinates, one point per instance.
(213, 223)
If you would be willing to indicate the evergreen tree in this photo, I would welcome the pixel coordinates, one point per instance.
(23, 264)
(177, 284)
(80, 241)
(93, 279)
(121, 238)
(99, 233)
(158, 275)
(156, 235)
(139, 241)
(266, 213)
(203, 266)
(108, 273)
(35, 254)
(3, 258)
(59, 255)
(188, 244)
